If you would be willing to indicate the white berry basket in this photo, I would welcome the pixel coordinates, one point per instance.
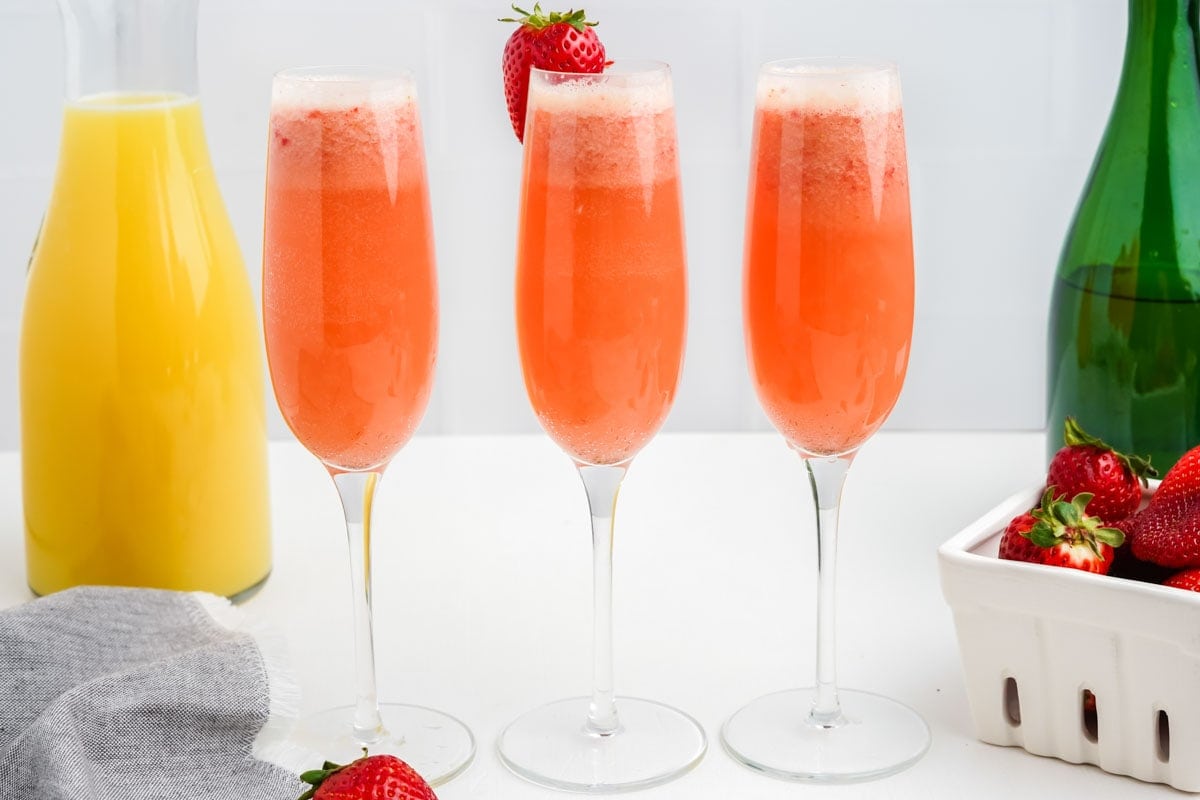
(1035, 640)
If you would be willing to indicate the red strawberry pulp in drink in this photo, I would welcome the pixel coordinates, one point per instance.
(601, 276)
(828, 217)
(350, 303)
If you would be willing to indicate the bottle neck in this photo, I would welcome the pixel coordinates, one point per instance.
(130, 47)
(1156, 115)
(1160, 58)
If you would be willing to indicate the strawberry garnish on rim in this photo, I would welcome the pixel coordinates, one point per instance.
(558, 41)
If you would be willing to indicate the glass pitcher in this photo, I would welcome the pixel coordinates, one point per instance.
(143, 427)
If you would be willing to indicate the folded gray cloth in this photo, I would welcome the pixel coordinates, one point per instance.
(138, 694)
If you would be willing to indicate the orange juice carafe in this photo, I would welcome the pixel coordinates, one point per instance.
(143, 431)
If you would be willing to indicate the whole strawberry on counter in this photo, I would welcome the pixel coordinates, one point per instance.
(379, 777)
(1059, 533)
(558, 41)
(1087, 464)
(1167, 531)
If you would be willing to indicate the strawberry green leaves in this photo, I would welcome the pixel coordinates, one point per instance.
(1059, 521)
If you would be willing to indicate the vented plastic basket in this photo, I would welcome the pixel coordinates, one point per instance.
(1035, 640)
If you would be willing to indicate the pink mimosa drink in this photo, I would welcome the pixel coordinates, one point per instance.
(828, 313)
(829, 266)
(601, 282)
(349, 292)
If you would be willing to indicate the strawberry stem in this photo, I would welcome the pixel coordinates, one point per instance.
(539, 20)
(1138, 466)
(315, 777)
(1059, 522)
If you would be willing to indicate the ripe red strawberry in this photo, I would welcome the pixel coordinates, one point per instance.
(1081, 553)
(1087, 464)
(1167, 531)
(558, 41)
(1061, 535)
(1188, 579)
(1071, 537)
(1015, 544)
(369, 778)
(1126, 564)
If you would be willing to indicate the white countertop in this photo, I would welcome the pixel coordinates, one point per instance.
(483, 596)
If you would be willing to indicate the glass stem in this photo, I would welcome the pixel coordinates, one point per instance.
(827, 476)
(602, 484)
(357, 490)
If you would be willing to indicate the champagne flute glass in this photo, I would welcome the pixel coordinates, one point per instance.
(350, 317)
(828, 303)
(601, 296)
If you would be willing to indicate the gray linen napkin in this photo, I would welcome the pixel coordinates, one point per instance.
(139, 694)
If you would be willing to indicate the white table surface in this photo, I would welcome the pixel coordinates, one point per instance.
(483, 593)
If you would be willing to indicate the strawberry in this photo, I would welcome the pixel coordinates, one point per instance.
(1061, 535)
(1071, 537)
(1087, 554)
(1126, 564)
(1188, 579)
(369, 778)
(1015, 544)
(1167, 531)
(558, 41)
(1087, 464)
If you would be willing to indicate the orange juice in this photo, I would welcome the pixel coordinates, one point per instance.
(349, 289)
(143, 430)
(829, 269)
(601, 282)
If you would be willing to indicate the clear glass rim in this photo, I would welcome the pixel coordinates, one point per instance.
(819, 67)
(344, 74)
(626, 71)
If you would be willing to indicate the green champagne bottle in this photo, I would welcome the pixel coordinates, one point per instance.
(1124, 339)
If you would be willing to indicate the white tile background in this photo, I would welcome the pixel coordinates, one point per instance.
(1005, 101)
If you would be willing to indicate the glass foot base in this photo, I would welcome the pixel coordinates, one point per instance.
(549, 746)
(878, 737)
(435, 744)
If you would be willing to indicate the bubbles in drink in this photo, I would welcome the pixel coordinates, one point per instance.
(593, 133)
(348, 133)
(839, 140)
(869, 90)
